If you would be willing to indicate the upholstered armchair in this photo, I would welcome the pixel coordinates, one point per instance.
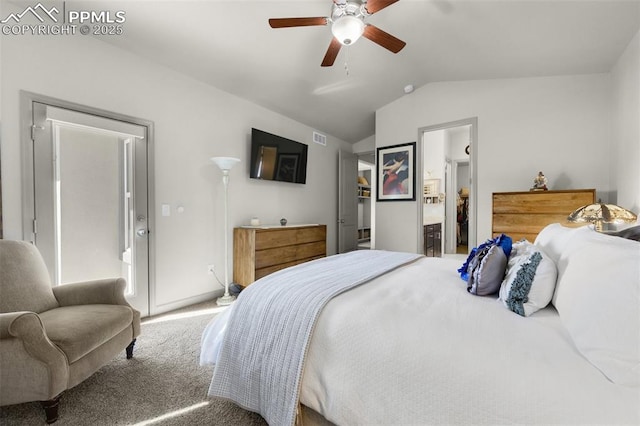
(53, 338)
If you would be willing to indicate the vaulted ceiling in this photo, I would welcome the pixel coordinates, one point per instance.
(229, 45)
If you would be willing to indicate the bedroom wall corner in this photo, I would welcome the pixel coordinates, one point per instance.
(365, 146)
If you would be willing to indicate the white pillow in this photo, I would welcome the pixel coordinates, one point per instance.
(529, 281)
(553, 239)
(598, 300)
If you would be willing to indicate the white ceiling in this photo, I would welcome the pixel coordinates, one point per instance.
(229, 45)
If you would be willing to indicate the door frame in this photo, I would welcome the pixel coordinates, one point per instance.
(28, 196)
(473, 175)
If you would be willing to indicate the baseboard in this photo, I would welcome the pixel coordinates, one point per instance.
(160, 309)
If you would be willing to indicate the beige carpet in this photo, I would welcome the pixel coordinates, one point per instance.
(164, 378)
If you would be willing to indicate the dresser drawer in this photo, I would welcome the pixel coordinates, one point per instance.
(286, 254)
(524, 214)
(263, 272)
(541, 202)
(280, 238)
(526, 223)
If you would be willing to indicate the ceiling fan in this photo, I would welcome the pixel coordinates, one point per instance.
(347, 25)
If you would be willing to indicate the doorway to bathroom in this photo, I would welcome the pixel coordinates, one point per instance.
(448, 205)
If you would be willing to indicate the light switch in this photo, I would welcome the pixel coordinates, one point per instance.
(166, 210)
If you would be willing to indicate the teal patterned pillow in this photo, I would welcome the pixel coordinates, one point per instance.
(530, 279)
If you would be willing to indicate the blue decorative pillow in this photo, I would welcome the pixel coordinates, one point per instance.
(486, 271)
(503, 241)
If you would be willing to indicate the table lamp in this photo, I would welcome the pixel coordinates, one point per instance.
(599, 213)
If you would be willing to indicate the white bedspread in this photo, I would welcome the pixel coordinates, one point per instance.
(413, 347)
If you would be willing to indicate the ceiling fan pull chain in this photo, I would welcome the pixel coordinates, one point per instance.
(346, 60)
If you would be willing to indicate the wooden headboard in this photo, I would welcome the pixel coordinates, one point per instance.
(524, 214)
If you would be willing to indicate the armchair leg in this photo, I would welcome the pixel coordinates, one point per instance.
(130, 349)
(51, 409)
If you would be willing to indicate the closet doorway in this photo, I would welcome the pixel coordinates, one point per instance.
(448, 208)
(366, 201)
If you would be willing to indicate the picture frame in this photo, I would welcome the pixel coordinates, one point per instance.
(287, 168)
(396, 172)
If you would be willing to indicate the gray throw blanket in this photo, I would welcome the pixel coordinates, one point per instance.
(265, 344)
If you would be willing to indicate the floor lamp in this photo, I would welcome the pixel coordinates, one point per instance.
(225, 164)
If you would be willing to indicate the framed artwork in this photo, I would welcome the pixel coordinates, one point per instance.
(396, 170)
(287, 168)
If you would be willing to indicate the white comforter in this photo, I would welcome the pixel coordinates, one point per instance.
(413, 347)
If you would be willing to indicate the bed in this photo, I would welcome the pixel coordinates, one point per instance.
(412, 345)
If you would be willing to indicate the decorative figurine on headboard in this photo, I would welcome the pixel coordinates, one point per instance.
(539, 183)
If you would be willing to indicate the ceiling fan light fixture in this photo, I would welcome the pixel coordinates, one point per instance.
(347, 29)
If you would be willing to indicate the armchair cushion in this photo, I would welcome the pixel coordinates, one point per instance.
(80, 329)
(24, 280)
(108, 291)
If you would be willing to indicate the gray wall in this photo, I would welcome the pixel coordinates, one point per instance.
(193, 122)
(554, 124)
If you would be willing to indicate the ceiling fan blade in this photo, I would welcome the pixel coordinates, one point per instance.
(332, 53)
(382, 38)
(374, 6)
(296, 22)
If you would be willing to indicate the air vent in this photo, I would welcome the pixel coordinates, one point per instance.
(319, 138)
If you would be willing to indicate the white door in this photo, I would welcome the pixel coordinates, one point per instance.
(347, 202)
(91, 199)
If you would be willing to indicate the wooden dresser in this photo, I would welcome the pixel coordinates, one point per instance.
(259, 251)
(524, 214)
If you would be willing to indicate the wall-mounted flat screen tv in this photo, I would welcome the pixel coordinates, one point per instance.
(277, 158)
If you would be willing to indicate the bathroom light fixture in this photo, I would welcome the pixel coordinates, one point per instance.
(225, 164)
